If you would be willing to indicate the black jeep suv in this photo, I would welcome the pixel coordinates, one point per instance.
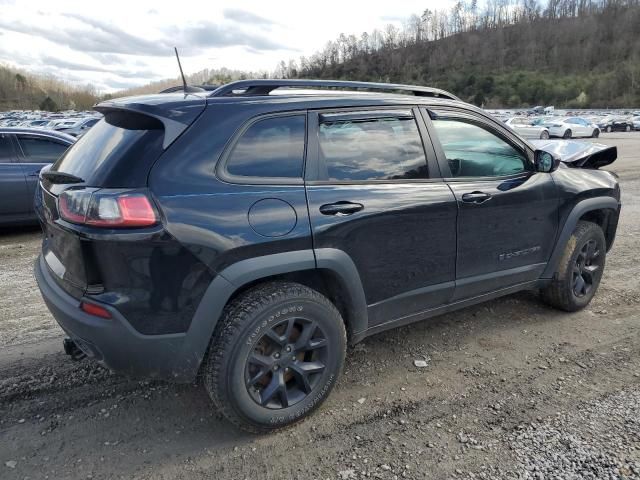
(249, 234)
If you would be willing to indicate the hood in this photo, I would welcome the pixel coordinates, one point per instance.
(578, 153)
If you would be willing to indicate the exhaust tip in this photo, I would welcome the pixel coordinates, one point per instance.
(71, 349)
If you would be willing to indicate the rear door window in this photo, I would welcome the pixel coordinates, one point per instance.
(365, 149)
(6, 149)
(40, 150)
(270, 148)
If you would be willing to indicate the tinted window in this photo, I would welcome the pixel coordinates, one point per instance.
(474, 151)
(6, 150)
(273, 147)
(40, 150)
(112, 150)
(372, 149)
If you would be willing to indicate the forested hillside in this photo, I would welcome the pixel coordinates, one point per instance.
(504, 53)
(25, 91)
(569, 53)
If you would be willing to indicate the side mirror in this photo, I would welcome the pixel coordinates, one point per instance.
(545, 162)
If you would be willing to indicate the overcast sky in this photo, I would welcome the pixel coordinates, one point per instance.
(117, 44)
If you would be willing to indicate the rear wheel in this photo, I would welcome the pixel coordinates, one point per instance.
(609, 129)
(627, 128)
(544, 135)
(277, 354)
(567, 134)
(579, 270)
(596, 133)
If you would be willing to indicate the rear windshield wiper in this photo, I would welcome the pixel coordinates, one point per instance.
(61, 177)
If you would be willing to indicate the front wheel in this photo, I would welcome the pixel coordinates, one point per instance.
(596, 133)
(609, 129)
(544, 135)
(276, 356)
(627, 128)
(567, 134)
(580, 269)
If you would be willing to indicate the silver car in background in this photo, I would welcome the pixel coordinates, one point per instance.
(524, 127)
(572, 127)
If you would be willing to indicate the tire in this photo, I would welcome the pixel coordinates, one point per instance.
(627, 128)
(269, 391)
(609, 129)
(596, 133)
(567, 134)
(544, 135)
(566, 292)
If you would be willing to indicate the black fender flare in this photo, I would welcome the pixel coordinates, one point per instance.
(582, 207)
(235, 276)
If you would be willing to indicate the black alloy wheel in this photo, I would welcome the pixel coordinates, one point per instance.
(286, 363)
(586, 269)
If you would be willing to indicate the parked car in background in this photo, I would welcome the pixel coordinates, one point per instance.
(79, 128)
(636, 122)
(525, 128)
(41, 123)
(616, 124)
(23, 152)
(572, 127)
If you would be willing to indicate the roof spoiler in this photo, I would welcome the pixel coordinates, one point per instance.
(174, 116)
(264, 87)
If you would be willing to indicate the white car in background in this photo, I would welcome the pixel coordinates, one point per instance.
(525, 128)
(572, 127)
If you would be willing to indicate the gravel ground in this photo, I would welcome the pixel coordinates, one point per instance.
(509, 389)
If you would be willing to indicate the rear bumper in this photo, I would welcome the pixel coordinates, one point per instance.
(115, 343)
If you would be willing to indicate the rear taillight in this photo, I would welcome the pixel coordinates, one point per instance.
(107, 208)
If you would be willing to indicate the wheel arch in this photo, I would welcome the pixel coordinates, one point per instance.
(330, 271)
(600, 210)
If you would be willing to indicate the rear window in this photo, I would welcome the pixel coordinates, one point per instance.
(118, 151)
(372, 149)
(272, 147)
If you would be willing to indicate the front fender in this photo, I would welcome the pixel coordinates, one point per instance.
(582, 207)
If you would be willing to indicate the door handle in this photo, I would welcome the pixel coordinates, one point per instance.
(475, 197)
(341, 209)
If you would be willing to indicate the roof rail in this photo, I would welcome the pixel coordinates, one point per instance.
(180, 88)
(264, 87)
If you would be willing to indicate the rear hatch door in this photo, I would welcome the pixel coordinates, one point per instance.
(117, 153)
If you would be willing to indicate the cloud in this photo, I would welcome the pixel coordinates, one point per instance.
(394, 18)
(209, 34)
(117, 40)
(99, 37)
(75, 66)
(242, 16)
